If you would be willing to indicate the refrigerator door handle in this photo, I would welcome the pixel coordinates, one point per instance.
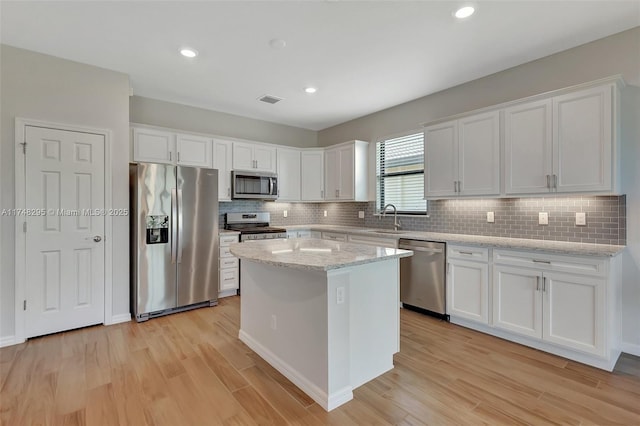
(179, 245)
(174, 225)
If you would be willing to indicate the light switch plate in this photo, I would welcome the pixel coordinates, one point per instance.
(360, 214)
(543, 218)
(581, 219)
(491, 218)
(285, 213)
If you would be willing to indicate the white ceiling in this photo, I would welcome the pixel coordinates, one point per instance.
(362, 56)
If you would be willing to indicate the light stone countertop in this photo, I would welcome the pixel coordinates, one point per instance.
(313, 254)
(547, 246)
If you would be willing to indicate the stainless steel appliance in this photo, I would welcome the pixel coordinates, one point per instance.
(174, 238)
(253, 226)
(423, 277)
(254, 185)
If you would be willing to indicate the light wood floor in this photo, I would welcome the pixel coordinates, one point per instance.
(190, 369)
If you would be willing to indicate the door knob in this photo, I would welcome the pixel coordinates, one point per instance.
(97, 238)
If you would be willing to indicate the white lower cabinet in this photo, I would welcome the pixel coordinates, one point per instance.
(229, 267)
(468, 283)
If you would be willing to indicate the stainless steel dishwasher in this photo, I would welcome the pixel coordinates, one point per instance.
(423, 277)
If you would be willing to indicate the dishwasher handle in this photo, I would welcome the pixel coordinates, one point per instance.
(422, 249)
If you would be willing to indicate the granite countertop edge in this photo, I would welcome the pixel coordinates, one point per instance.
(548, 246)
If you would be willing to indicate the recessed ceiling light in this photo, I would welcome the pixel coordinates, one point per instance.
(310, 89)
(464, 12)
(277, 44)
(188, 52)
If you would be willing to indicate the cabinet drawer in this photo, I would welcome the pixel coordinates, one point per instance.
(227, 240)
(225, 251)
(228, 279)
(373, 241)
(480, 254)
(552, 262)
(228, 262)
(334, 236)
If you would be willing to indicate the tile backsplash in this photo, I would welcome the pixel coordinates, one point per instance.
(514, 217)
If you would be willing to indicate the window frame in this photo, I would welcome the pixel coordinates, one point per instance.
(379, 177)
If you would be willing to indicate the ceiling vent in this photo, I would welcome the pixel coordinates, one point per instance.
(270, 99)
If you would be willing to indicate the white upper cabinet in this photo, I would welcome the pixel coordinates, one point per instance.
(153, 146)
(222, 160)
(193, 151)
(528, 148)
(159, 146)
(346, 172)
(256, 157)
(561, 144)
(288, 174)
(463, 157)
(312, 175)
(582, 135)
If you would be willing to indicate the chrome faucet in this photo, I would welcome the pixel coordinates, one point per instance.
(396, 224)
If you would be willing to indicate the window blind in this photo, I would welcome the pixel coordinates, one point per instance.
(400, 174)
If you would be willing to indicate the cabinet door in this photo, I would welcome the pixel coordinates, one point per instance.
(222, 160)
(582, 136)
(479, 154)
(517, 300)
(347, 161)
(441, 159)
(153, 146)
(243, 156)
(312, 179)
(468, 290)
(528, 148)
(288, 174)
(265, 158)
(193, 151)
(331, 174)
(574, 311)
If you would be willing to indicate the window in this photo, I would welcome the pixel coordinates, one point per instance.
(400, 174)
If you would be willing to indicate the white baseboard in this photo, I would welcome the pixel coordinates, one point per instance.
(227, 293)
(631, 348)
(9, 340)
(328, 402)
(117, 319)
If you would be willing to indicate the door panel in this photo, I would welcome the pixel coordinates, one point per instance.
(222, 158)
(479, 154)
(65, 266)
(347, 161)
(468, 290)
(441, 159)
(193, 150)
(517, 298)
(198, 237)
(332, 174)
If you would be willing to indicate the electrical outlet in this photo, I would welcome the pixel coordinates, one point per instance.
(491, 218)
(581, 219)
(285, 213)
(360, 214)
(274, 324)
(340, 295)
(325, 213)
(543, 218)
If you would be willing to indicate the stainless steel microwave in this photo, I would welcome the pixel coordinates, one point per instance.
(254, 185)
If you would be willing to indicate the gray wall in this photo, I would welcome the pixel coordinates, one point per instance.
(42, 87)
(183, 117)
(617, 54)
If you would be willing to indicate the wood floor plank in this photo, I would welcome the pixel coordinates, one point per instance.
(190, 368)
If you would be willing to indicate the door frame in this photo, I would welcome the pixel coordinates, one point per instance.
(20, 203)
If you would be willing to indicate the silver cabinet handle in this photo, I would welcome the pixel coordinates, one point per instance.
(455, 186)
(322, 193)
(178, 156)
(229, 192)
(97, 238)
(538, 283)
(544, 284)
(546, 262)
(170, 156)
(549, 181)
(555, 181)
(468, 253)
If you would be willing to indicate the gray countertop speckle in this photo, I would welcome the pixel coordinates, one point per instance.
(560, 247)
(313, 254)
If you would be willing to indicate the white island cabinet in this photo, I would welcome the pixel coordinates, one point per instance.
(323, 313)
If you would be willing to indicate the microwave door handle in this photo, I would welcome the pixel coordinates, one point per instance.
(270, 186)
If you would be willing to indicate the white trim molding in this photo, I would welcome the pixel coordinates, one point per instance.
(20, 237)
(119, 318)
(9, 340)
(630, 348)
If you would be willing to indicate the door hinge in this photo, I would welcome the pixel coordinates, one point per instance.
(24, 305)
(24, 147)
(24, 226)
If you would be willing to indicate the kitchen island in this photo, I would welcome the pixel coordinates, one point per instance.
(323, 313)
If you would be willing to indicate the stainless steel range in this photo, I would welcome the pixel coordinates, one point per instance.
(253, 226)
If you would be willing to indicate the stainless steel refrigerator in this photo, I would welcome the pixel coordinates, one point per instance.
(174, 238)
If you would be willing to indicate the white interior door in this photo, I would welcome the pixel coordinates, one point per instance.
(65, 231)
